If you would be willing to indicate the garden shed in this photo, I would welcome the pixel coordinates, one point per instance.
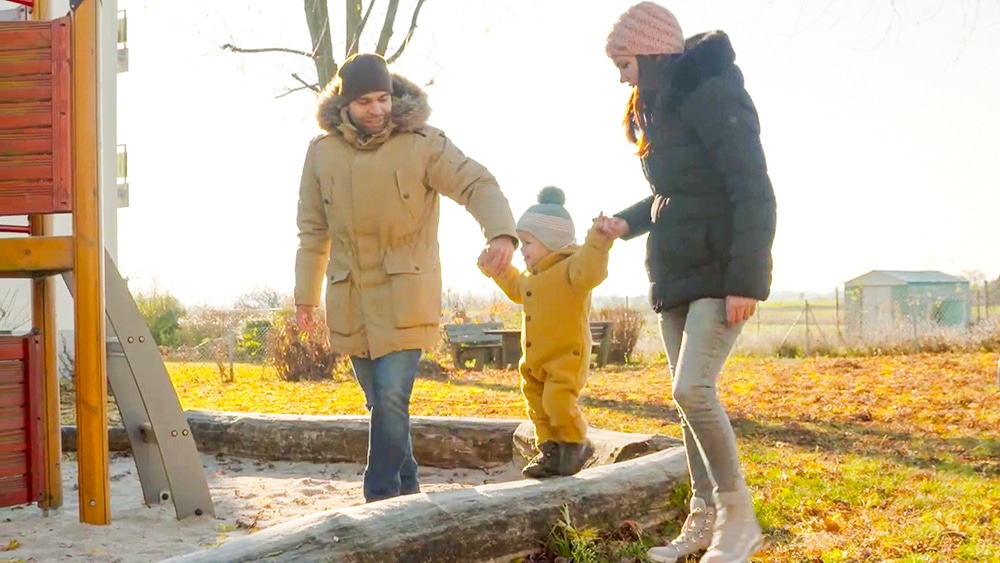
(886, 299)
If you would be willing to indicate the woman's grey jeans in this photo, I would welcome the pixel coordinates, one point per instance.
(698, 341)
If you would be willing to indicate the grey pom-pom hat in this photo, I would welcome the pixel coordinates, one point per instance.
(548, 220)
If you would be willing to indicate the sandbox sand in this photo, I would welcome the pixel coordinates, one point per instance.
(249, 495)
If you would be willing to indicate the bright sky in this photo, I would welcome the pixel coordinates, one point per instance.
(879, 128)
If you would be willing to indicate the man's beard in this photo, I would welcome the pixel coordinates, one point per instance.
(378, 129)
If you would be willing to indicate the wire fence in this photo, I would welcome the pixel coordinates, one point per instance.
(259, 339)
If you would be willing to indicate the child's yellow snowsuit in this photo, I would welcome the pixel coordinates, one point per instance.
(555, 334)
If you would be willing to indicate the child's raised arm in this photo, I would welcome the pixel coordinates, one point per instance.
(509, 280)
(589, 266)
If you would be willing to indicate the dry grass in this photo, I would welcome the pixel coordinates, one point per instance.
(860, 459)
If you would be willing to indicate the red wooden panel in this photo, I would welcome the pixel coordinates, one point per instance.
(11, 373)
(12, 396)
(36, 441)
(11, 348)
(13, 465)
(62, 140)
(27, 167)
(14, 491)
(26, 141)
(26, 88)
(15, 36)
(21, 442)
(13, 441)
(35, 135)
(15, 116)
(25, 62)
(11, 423)
(24, 195)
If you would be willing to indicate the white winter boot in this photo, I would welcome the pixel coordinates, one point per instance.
(737, 534)
(695, 536)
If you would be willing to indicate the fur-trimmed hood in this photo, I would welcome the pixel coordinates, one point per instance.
(410, 108)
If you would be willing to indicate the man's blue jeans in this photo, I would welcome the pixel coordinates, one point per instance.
(388, 383)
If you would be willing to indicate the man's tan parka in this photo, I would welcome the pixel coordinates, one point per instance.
(368, 223)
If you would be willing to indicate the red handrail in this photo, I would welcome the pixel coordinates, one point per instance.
(20, 229)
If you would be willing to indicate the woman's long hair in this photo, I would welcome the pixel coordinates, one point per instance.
(644, 99)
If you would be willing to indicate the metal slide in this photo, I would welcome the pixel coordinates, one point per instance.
(164, 450)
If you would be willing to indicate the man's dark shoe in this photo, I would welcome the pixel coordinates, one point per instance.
(545, 464)
(573, 456)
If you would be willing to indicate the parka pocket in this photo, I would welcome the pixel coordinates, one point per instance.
(411, 194)
(342, 304)
(686, 247)
(416, 287)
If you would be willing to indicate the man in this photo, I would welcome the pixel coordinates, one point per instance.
(368, 219)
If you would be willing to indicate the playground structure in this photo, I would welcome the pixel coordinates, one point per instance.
(49, 164)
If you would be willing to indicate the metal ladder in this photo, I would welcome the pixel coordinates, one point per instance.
(164, 450)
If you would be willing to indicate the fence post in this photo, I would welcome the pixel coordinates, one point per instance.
(836, 293)
(231, 345)
(979, 304)
(807, 328)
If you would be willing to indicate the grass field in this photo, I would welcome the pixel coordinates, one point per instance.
(861, 459)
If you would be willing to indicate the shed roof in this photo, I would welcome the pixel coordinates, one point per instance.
(902, 277)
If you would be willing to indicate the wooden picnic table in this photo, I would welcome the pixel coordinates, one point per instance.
(510, 345)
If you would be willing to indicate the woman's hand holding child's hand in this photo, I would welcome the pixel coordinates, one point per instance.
(609, 228)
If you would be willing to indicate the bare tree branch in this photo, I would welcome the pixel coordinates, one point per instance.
(387, 25)
(353, 46)
(235, 49)
(313, 87)
(293, 90)
(409, 33)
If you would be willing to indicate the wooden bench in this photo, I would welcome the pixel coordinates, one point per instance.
(468, 341)
(600, 333)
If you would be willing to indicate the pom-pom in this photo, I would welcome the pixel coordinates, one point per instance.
(552, 194)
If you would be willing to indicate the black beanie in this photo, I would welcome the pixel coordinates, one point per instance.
(363, 74)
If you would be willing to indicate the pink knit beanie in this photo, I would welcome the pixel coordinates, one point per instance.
(646, 29)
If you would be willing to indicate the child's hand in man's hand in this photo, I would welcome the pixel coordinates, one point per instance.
(483, 262)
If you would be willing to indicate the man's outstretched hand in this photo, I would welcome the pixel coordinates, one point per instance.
(497, 256)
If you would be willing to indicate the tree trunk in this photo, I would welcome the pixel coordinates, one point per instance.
(390, 20)
(318, 19)
(354, 27)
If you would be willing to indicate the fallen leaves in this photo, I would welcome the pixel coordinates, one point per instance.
(848, 457)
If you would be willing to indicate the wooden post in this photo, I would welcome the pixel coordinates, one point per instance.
(88, 268)
(43, 316)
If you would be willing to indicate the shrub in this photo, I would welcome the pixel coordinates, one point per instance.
(162, 312)
(301, 355)
(626, 329)
(253, 342)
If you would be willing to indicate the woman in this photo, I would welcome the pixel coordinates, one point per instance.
(711, 222)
